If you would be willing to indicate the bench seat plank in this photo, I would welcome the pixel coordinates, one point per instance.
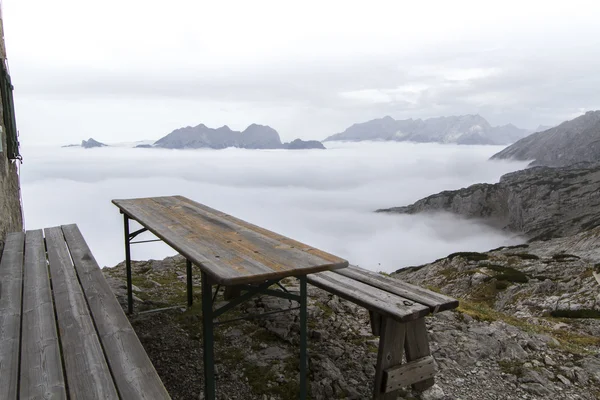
(11, 284)
(88, 375)
(133, 371)
(435, 301)
(369, 297)
(41, 367)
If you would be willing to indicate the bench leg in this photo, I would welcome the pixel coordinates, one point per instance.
(417, 346)
(207, 339)
(375, 322)
(391, 349)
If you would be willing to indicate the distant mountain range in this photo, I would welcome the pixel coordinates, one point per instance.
(253, 137)
(571, 142)
(463, 129)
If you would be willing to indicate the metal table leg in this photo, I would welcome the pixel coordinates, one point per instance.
(190, 295)
(303, 339)
(207, 339)
(128, 264)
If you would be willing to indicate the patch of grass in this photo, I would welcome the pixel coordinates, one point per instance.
(511, 367)
(573, 342)
(508, 274)
(502, 285)
(583, 313)
(410, 269)
(562, 256)
(469, 255)
(524, 256)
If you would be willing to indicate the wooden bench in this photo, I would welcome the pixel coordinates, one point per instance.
(397, 310)
(62, 332)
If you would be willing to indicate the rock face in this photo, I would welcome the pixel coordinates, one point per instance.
(90, 143)
(571, 142)
(299, 144)
(253, 137)
(465, 129)
(539, 202)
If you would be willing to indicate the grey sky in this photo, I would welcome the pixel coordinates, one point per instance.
(121, 70)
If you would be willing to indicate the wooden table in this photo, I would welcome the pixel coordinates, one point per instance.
(229, 252)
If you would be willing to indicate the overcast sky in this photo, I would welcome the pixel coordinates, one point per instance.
(120, 70)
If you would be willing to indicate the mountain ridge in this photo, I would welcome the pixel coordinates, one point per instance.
(461, 129)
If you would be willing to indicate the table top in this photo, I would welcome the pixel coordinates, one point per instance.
(231, 251)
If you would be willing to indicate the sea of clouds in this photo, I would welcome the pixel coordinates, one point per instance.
(323, 198)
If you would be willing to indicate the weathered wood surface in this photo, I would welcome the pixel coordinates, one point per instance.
(41, 368)
(435, 301)
(11, 284)
(407, 374)
(133, 372)
(391, 344)
(88, 375)
(416, 347)
(369, 297)
(229, 250)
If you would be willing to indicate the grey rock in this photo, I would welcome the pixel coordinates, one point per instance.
(299, 144)
(539, 202)
(571, 142)
(464, 129)
(90, 143)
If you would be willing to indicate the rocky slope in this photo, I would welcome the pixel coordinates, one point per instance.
(253, 137)
(571, 142)
(527, 328)
(465, 129)
(539, 202)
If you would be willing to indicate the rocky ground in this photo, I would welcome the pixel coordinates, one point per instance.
(527, 328)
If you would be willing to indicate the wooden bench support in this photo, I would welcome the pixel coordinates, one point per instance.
(408, 374)
(396, 310)
(416, 347)
(391, 349)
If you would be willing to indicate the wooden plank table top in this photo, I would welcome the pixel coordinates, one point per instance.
(231, 251)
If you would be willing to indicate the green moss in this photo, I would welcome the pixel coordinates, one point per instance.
(524, 256)
(583, 313)
(502, 285)
(508, 274)
(469, 255)
(562, 256)
(511, 367)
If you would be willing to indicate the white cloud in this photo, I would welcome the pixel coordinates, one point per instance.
(324, 198)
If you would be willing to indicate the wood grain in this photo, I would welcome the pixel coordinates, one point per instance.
(435, 301)
(390, 352)
(416, 347)
(41, 367)
(133, 372)
(86, 370)
(407, 374)
(11, 284)
(229, 250)
(369, 297)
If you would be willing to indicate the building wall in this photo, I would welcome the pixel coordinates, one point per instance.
(11, 219)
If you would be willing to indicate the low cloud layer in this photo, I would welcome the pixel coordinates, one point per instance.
(323, 198)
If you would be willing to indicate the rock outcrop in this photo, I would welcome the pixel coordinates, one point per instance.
(253, 137)
(90, 143)
(465, 129)
(571, 142)
(539, 202)
(299, 144)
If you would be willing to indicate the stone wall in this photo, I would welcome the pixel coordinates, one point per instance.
(11, 218)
